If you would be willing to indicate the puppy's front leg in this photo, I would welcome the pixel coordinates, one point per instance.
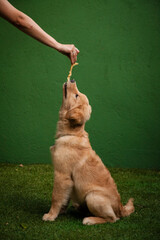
(61, 193)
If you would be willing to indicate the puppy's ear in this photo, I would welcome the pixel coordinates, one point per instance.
(75, 116)
(79, 115)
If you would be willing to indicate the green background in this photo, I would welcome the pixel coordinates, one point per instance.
(119, 71)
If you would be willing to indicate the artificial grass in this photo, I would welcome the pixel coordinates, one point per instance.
(25, 195)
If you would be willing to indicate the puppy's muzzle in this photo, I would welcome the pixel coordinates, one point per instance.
(72, 81)
(65, 87)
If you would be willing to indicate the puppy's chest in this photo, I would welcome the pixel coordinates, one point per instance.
(65, 156)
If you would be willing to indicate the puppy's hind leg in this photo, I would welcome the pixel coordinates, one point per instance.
(101, 208)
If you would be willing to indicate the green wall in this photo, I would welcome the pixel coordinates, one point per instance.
(119, 71)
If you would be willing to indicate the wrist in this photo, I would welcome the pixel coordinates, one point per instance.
(58, 46)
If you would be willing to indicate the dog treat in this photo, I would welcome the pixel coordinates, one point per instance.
(70, 72)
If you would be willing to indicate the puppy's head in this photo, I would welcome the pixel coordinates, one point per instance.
(75, 107)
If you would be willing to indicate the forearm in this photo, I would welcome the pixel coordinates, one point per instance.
(26, 24)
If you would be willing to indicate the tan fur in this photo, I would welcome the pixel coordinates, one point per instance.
(79, 174)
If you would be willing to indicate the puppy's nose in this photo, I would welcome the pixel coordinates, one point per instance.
(72, 80)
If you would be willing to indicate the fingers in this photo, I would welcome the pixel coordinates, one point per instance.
(73, 57)
(77, 50)
(70, 51)
(73, 54)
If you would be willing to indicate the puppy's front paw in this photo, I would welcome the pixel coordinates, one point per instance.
(48, 217)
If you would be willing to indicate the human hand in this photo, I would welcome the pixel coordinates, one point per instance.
(70, 51)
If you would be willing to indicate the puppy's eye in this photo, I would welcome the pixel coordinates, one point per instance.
(76, 95)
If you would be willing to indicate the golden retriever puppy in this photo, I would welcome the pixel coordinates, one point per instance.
(79, 174)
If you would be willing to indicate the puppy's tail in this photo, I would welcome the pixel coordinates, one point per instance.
(128, 208)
